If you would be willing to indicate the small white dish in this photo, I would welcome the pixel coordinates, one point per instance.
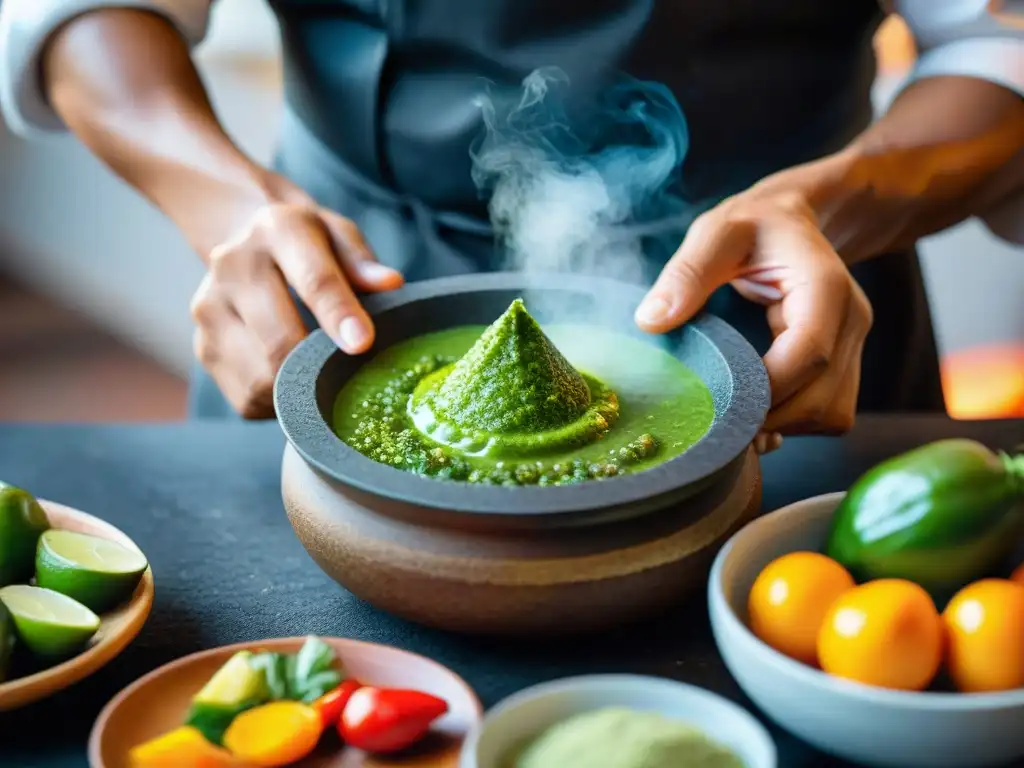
(860, 723)
(528, 713)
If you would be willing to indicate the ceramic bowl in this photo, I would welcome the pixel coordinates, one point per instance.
(158, 703)
(863, 724)
(118, 629)
(528, 713)
(527, 560)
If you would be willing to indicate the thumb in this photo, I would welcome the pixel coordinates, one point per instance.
(357, 259)
(708, 258)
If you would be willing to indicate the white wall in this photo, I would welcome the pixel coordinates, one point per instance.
(71, 229)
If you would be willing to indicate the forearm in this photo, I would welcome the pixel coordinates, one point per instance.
(949, 148)
(123, 81)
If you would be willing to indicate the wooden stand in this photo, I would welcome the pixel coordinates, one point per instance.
(553, 581)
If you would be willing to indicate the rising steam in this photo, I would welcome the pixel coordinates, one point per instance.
(582, 189)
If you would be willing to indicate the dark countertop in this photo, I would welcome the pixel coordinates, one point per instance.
(203, 501)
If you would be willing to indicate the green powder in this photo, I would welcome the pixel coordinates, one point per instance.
(623, 738)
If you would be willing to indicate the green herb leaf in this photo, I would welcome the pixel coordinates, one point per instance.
(213, 720)
(319, 684)
(304, 676)
(314, 656)
(313, 671)
(274, 668)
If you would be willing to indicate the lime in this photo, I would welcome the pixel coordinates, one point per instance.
(50, 624)
(22, 520)
(235, 687)
(99, 573)
(234, 683)
(6, 641)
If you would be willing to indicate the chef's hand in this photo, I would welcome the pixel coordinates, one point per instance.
(766, 242)
(246, 320)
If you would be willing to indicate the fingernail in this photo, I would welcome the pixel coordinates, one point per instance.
(374, 271)
(653, 310)
(767, 442)
(354, 335)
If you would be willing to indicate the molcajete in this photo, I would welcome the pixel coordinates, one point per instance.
(487, 558)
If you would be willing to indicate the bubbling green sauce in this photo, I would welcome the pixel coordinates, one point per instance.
(505, 406)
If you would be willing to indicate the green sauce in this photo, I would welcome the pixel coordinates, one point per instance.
(512, 395)
(513, 405)
(512, 381)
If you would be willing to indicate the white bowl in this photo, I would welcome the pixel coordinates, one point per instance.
(863, 724)
(528, 713)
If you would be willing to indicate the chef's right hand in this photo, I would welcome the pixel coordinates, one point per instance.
(246, 320)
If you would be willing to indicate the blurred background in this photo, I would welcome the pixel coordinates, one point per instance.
(95, 285)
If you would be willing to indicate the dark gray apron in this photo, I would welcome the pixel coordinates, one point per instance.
(379, 122)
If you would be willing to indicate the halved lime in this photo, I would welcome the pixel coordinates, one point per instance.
(49, 624)
(99, 573)
(22, 520)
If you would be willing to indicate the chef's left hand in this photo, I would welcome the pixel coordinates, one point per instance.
(766, 242)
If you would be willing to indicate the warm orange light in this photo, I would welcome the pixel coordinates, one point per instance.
(985, 382)
(895, 48)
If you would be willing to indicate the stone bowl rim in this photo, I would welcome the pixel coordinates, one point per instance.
(733, 429)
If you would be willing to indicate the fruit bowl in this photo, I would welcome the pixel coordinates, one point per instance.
(864, 724)
(520, 560)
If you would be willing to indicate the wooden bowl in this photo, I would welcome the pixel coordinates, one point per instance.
(118, 629)
(158, 702)
(496, 560)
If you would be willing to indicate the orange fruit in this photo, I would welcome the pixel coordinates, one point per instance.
(885, 633)
(790, 598)
(985, 630)
(1018, 574)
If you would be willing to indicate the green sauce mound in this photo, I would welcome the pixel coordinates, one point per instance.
(502, 405)
(512, 381)
(624, 738)
(513, 394)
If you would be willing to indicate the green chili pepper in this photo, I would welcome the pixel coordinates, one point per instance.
(941, 515)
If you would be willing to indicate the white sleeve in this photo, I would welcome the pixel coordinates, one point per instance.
(973, 38)
(25, 28)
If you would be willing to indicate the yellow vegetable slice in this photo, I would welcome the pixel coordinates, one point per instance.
(183, 746)
(275, 734)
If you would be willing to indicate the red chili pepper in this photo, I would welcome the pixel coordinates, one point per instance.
(383, 720)
(332, 704)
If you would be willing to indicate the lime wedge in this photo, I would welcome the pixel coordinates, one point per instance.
(49, 624)
(21, 522)
(234, 688)
(235, 683)
(99, 573)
